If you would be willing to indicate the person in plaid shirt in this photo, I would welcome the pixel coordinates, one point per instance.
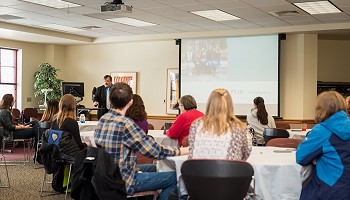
(122, 138)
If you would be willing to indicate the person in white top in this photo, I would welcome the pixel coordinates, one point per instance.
(259, 119)
(219, 134)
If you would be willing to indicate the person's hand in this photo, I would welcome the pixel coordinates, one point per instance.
(184, 150)
(95, 103)
(314, 162)
(88, 143)
(28, 126)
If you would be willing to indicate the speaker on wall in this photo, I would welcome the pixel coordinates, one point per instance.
(282, 36)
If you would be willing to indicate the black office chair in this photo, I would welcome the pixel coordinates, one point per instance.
(217, 179)
(272, 133)
(43, 126)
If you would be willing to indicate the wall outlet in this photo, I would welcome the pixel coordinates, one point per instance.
(29, 99)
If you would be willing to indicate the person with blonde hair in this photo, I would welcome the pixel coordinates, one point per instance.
(65, 120)
(327, 148)
(50, 111)
(219, 134)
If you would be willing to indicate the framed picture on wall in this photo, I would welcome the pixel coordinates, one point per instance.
(172, 91)
(126, 77)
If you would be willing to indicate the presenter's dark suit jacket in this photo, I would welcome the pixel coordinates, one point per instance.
(100, 97)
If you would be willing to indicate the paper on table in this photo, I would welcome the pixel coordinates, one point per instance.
(85, 138)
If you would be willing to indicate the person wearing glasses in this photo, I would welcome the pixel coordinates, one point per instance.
(101, 95)
(188, 113)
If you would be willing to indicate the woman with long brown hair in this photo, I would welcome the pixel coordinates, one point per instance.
(12, 131)
(259, 119)
(65, 120)
(219, 134)
(138, 113)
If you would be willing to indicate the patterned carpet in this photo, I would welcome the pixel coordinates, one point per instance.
(25, 183)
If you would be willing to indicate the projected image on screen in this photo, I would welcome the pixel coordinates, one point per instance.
(246, 66)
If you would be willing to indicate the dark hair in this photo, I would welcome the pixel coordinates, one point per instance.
(137, 110)
(6, 102)
(261, 114)
(107, 76)
(120, 95)
(188, 102)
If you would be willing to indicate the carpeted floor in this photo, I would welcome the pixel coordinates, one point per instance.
(25, 183)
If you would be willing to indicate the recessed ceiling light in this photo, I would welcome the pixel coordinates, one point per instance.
(131, 21)
(216, 15)
(318, 7)
(61, 27)
(53, 3)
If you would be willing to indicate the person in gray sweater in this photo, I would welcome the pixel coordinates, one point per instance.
(259, 119)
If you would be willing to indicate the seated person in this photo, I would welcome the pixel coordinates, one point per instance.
(138, 113)
(50, 111)
(259, 119)
(181, 126)
(65, 120)
(11, 131)
(327, 148)
(220, 134)
(122, 138)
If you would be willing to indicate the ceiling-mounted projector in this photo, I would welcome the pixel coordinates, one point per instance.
(113, 6)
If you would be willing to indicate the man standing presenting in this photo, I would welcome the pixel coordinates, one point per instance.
(122, 138)
(101, 96)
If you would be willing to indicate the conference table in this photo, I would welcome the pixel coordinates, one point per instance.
(277, 175)
(298, 133)
(158, 136)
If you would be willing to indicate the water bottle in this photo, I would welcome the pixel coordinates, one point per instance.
(82, 118)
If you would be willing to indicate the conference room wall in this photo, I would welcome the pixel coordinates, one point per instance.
(333, 61)
(89, 63)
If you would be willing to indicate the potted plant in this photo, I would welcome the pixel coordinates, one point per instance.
(47, 85)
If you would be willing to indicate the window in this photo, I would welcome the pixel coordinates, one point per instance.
(8, 72)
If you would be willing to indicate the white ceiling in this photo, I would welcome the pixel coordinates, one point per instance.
(172, 17)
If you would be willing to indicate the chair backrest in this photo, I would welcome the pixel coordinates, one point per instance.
(28, 113)
(150, 127)
(185, 142)
(217, 179)
(284, 142)
(271, 133)
(282, 125)
(43, 126)
(16, 115)
(166, 126)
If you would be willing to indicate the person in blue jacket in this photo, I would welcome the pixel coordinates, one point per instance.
(327, 147)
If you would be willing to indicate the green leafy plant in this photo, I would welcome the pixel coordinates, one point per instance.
(46, 78)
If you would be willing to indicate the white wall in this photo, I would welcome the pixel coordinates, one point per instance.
(89, 63)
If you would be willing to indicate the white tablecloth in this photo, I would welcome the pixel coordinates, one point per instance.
(87, 126)
(277, 175)
(159, 137)
(298, 133)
